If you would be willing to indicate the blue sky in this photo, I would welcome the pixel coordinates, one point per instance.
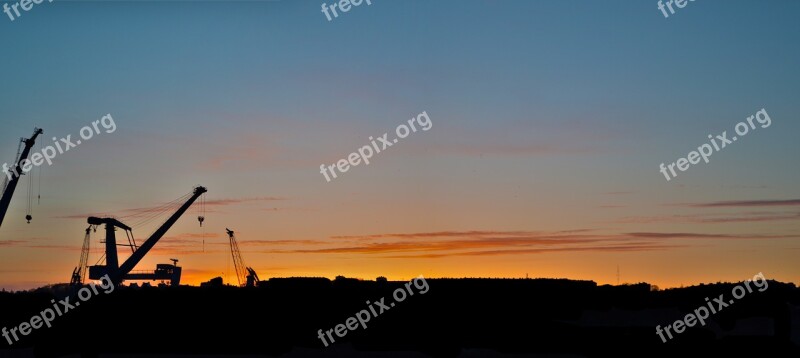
(539, 108)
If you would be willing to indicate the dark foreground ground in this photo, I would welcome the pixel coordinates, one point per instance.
(454, 318)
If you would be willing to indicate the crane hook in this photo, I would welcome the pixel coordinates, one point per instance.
(201, 219)
(28, 217)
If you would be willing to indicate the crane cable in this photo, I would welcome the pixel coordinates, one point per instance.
(30, 192)
(41, 174)
(100, 252)
(201, 210)
(30, 200)
(201, 218)
(149, 215)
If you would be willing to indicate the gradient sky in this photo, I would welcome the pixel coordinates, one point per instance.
(550, 119)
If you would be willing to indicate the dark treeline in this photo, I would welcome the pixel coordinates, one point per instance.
(455, 317)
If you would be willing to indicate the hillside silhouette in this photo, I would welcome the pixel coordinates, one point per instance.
(455, 317)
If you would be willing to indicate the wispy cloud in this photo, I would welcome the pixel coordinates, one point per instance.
(712, 218)
(507, 149)
(248, 153)
(683, 235)
(55, 247)
(490, 243)
(622, 248)
(151, 210)
(280, 242)
(744, 203)
(226, 202)
(618, 192)
(473, 234)
(82, 216)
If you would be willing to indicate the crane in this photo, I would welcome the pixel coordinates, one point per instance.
(14, 174)
(246, 276)
(118, 273)
(79, 273)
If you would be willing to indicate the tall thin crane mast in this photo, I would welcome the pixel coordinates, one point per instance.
(246, 276)
(79, 274)
(15, 173)
(238, 263)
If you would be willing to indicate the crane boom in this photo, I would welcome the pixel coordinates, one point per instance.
(15, 175)
(116, 272)
(137, 256)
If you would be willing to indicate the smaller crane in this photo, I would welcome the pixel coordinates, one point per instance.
(79, 273)
(246, 276)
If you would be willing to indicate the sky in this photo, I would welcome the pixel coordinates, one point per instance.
(549, 122)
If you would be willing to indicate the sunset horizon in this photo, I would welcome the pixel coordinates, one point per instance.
(568, 178)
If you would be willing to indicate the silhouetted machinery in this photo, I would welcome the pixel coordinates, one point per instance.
(16, 173)
(79, 273)
(246, 276)
(118, 273)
